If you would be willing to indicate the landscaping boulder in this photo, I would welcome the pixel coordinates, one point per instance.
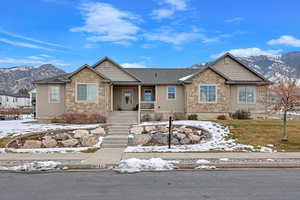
(174, 141)
(62, 136)
(185, 140)
(149, 128)
(32, 144)
(98, 131)
(160, 138)
(180, 136)
(194, 138)
(88, 141)
(141, 139)
(163, 129)
(137, 130)
(49, 142)
(70, 142)
(80, 133)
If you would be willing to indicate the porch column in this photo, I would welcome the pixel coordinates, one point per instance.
(139, 110)
(112, 98)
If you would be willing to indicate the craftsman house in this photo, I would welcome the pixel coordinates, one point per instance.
(217, 88)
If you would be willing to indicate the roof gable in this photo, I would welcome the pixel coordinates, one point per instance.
(85, 66)
(113, 70)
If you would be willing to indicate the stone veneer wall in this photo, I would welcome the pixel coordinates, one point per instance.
(192, 94)
(101, 106)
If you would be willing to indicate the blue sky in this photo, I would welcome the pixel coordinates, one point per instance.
(144, 33)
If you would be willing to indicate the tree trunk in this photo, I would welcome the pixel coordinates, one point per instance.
(285, 131)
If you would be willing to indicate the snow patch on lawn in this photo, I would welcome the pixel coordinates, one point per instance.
(217, 141)
(34, 166)
(18, 127)
(206, 167)
(224, 159)
(52, 150)
(202, 161)
(134, 165)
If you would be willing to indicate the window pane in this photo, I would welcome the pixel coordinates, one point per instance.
(250, 94)
(147, 95)
(54, 94)
(247, 94)
(81, 92)
(171, 92)
(212, 94)
(91, 92)
(208, 93)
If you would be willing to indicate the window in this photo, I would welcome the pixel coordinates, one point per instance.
(54, 94)
(171, 92)
(147, 95)
(208, 93)
(247, 94)
(86, 92)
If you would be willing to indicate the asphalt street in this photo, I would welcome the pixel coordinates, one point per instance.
(263, 184)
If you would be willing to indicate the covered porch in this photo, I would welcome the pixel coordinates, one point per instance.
(133, 98)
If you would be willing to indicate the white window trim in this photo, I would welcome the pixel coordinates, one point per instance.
(49, 94)
(147, 89)
(168, 93)
(199, 94)
(81, 101)
(238, 95)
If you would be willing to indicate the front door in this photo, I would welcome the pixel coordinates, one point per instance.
(127, 99)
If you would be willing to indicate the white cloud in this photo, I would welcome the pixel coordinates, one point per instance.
(32, 60)
(249, 52)
(29, 39)
(23, 44)
(172, 7)
(108, 24)
(134, 65)
(285, 40)
(234, 20)
(169, 35)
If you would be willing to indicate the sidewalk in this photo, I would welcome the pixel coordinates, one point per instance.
(110, 157)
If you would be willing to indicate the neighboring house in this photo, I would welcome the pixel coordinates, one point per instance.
(8, 100)
(220, 87)
(32, 97)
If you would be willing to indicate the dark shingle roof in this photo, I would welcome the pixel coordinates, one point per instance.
(161, 75)
(63, 78)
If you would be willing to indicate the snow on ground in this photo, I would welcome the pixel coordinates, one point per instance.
(17, 127)
(52, 150)
(134, 165)
(33, 166)
(224, 159)
(217, 141)
(206, 167)
(202, 161)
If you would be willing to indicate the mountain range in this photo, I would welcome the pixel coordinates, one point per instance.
(15, 78)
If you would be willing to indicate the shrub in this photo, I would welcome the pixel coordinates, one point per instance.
(178, 116)
(222, 117)
(98, 118)
(158, 116)
(241, 114)
(193, 117)
(146, 118)
(80, 118)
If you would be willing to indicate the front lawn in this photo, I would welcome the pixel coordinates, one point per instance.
(264, 132)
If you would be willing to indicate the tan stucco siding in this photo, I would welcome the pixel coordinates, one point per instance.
(234, 70)
(100, 106)
(45, 109)
(192, 94)
(258, 107)
(163, 104)
(111, 71)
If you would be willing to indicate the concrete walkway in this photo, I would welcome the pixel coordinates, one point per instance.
(109, 157)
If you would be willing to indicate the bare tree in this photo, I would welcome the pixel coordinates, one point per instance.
(284, 93)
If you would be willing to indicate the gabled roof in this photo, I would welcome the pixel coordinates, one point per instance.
(88, 67)
(106, 58)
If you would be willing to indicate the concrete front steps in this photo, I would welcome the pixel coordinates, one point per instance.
(118, 129)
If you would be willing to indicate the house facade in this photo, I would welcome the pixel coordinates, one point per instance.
(8, 100)
(217, 88)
